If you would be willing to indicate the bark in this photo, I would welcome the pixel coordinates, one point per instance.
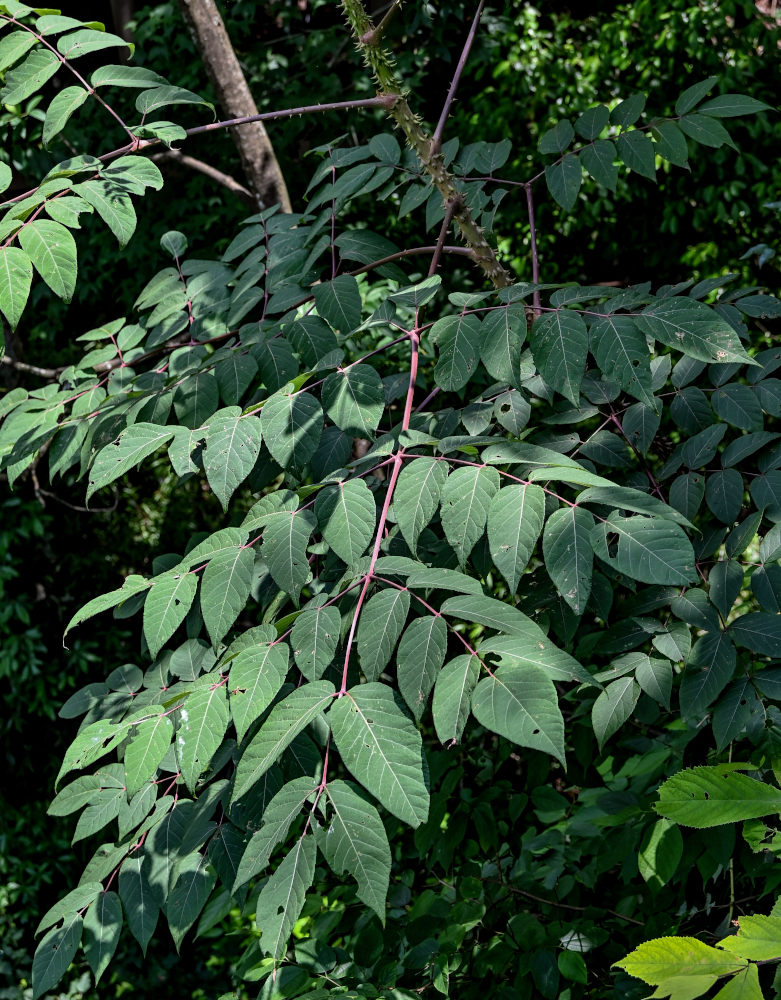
(260, 166)
(123, 11)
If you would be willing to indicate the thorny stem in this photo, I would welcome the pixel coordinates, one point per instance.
(374, 37)
(436, 141)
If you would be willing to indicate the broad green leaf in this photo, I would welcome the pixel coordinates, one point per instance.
(645, 549)
(666, 958)
(314, 638)
(674, 642)
(16, 275)
(140, 906)
(234, 376)
(626, 498)
(256, 675)
(420, 656)
(710, 668)
(102, 927)
(701, 448)
(758, 938)
(466, 497)
(458, 341)
(59, 111)
(163, 97)
(433, 577)
(564, 179)
(705, 130)
(134, 174)
(286, 720)
(660, 853)
(534, 648)
(339, 302)
(556, 139)
(52, 250)
(354, 399)
(637, 152)
(732, 106)
(202, 725)
(355, 841)
(628, 111)
(277, 363)
(144, 751)
(80, 792)
(93, 742)
(379, 627)
(452, 700)
(347, 515)
(166, 605)
(280, 812)
(502, 334)
(194, 883)
(692, 327)
(86, 40)
(670, 143)
(225, 589)
(712, 796)
(559, 343)
(292, 425)
(29, 76)
(312, 338)
(232, 448)
(382, 749)
(521, 704)
(740, 709)
(724, 494)
(282, 897)
(744, 985)
(758, 631)
(531, 456)
(55, 953)
(613, 707)
(569, 556)
(488, 611)
(223, 540)
(738, 405)
(113, 206)
(76, 899)
(125, 76)
(515, 519)
(417, 495)
(599, 160)
(692, 96)
(592, 121)
(621, 352)
(13, 46)
(133, 445)
(285, 539)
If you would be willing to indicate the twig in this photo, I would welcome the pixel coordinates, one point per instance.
(177, 156)
(436, 141)
(564, 906)
(22, 366)
(449, 212)
(374, 37)
(535, 253)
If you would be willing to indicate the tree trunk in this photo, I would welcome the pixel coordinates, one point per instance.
(123, 11)
(258, 161)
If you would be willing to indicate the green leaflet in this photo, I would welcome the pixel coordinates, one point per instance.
(382, 749)
(114, 207)
(354, 840)
(162, 97)
(671, 959)
(346, 515)
(660, 853)
(569, 557)
(613, 707)
(285, 722)
(28, 76)
(354, 399)
(144, 751)
(758, 938)
(59, 111)
(564, 179)
(203, 721)
(140, 906)
(711, 796)
(417, 495)
(420, 656)
(559, 343)
(466, 497)
(133, 445)
(339, 302)
(256, 675)
(280, 812)
(458, 342)
(379, 628)
(521, 704)
(232, 448)
(282, 897)
(645, 549)
(80, 792)
(16, 275)
(453, 697)
(536, 649)
(621, 351)
(515, 518)
(55, 953)
(599, 160)
(225, 589)
(125, 76)
(314, 639)
(759, 631)
(166, 605)
(692, 327)
(488, 611)
(194, 883)
(502, 334)
(285, 539)
(292, 425)
(52, 250)
(76, 899)
(102, 927)
(133, 584)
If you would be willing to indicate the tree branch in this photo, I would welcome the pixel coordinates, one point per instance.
(436, 142)
(177, 156)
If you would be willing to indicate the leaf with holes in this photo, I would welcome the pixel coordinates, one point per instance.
(703, 797)
(453, 697)
(166, 605)
(225, 588)
(458, 341)
(420, 656)
(381, 747)
(202, 725)
(133, 445)
(282, 897)
(102, 927)
(55, 953)
(346, 514)
(314, 639)
(621, 351)
(354, 840)
(515, 519)
(692, 327)
(466, 497)
(645, 549)
(569, 556)
(256, 675)
(145, 750)
(379, 627)
(52, 250)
